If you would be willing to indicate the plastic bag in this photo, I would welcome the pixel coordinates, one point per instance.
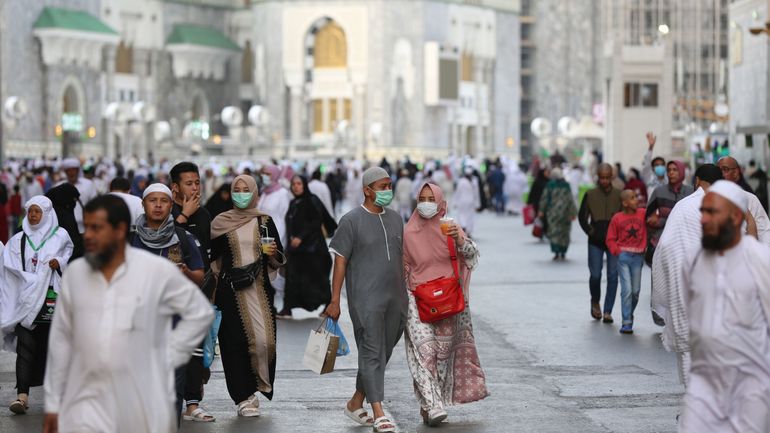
(334, 328)
(211, 339)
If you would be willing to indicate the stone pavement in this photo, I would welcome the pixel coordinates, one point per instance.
(549, 366)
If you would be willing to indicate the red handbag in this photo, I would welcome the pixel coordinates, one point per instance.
(443, 297)
(529, 214)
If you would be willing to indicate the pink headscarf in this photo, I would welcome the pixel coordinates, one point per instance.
(426, 255)
(275, 176)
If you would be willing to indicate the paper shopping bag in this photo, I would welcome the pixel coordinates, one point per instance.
(321, 351)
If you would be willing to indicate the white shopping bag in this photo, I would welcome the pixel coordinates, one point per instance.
(321, 351)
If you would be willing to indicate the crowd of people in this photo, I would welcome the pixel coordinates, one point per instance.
(153, 253)
(704, 234)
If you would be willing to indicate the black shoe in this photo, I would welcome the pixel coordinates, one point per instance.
(284, 314)
(657, 319)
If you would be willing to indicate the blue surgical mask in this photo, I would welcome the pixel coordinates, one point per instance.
(266, 181)
(660, 170)
(241, 200)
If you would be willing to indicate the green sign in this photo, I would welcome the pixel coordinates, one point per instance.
(72, 122)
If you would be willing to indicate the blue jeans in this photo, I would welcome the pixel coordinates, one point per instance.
(630, 273)
(595, 264)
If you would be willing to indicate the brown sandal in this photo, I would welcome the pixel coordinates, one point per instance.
(19, 407)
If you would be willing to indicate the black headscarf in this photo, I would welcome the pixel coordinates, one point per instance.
(64, 198)
(305, 213)
(216, 204)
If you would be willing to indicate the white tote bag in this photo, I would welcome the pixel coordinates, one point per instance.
(321, 351)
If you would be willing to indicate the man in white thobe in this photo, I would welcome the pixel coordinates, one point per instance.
(680, 238)
(321, 190)
(728, 304)
(112, 351)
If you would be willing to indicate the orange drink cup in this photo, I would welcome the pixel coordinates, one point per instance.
(266, 242)
(446, 222)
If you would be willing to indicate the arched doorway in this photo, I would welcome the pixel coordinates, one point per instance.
(72, 115)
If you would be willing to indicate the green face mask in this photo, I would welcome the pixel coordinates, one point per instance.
(383, 198)
(242, 199)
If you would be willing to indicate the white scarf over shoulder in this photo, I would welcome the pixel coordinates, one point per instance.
(680, 238)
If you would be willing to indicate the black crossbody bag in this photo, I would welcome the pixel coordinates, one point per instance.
(242, 277)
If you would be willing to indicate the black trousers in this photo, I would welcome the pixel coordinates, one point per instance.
(194, 378)
(31, 353)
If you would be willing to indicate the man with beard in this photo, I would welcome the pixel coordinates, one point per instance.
(732, 171)
(112, 351)
(728, 303)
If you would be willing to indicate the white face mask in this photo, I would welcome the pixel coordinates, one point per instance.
(266, 181)
(427, 209)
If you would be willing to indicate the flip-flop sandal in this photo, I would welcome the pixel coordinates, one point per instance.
(249, 408)
(383, 425)
(360, 416)
(199, 415)
(19, 407)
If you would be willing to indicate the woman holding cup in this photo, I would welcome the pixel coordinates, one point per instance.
(444, 374)
(245, 246)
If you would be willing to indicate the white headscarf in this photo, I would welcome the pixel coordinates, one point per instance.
(47, 224)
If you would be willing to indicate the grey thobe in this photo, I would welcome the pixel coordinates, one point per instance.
(374, 279)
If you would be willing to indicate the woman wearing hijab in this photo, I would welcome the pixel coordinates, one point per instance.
(220, 201)
(64, 199)
(33, 262)
(138, 184)
(274, 202)
(441, 355)
(536, 193)
(661, 203)
(636, 184)
(308, 261)
(245, 296)
(557, 208)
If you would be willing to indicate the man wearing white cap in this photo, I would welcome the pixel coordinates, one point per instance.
(727, 293)
(71, 168)
(157, 233)
(368, 256)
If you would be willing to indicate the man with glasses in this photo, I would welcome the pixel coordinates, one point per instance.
(732, 171)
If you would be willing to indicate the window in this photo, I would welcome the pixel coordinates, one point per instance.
(640, 95)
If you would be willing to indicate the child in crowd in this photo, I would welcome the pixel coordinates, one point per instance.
(627, 238)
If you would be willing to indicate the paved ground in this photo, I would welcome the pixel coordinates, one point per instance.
(549, 366)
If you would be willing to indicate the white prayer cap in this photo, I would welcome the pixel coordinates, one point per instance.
(156, 187)
(373, 175)
(556, 173)
(70, 163)
(732, 192)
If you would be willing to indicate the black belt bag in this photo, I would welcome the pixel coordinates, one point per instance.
(240, 278)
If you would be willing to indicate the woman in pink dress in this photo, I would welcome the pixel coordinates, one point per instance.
(442, 355)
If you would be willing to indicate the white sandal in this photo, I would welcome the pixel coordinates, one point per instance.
(381, 423)
(199, 415)
(360, 416)
(249, 407)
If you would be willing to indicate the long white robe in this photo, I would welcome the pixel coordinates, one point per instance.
(112, 351)
(23, 288)
(464, 204)
(680, 238)
(321, 190)
(728, 302)
(276, 204)
(760, 216)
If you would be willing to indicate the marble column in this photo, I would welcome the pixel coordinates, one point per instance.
(146, 140)
(359, 120)
(295, 121)
(109, 132)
